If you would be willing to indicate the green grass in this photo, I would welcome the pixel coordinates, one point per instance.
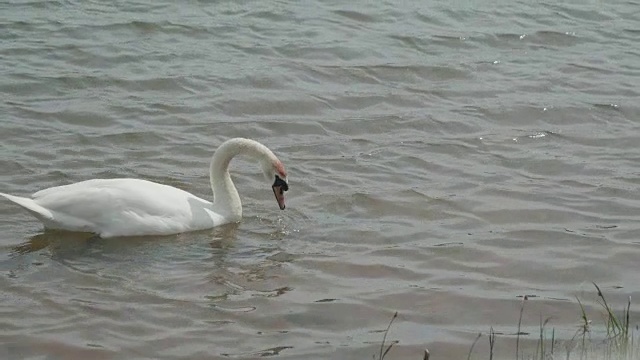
(620, 342)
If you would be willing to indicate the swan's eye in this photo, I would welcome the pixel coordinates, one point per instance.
(281, 183)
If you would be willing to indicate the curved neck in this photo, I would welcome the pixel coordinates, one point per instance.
(225, 195)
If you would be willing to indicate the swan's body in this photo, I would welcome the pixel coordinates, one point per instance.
(129, 207)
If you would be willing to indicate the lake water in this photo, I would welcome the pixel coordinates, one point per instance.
(445, 158)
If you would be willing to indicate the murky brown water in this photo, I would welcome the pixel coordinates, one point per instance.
(443, 160)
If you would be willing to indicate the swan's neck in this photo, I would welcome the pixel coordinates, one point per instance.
(226, 200)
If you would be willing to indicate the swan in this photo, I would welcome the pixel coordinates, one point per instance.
(135, 207)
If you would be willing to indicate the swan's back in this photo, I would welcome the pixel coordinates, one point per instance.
(95, 196)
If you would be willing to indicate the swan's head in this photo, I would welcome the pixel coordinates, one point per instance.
(277, 176)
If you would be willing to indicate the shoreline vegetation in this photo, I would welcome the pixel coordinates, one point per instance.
(619, 341)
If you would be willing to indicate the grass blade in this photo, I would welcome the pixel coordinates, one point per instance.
(384, 338)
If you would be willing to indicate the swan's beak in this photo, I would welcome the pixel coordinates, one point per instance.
(278, 191)
(279, 187)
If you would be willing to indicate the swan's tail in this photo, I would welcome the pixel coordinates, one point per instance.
(29, 204)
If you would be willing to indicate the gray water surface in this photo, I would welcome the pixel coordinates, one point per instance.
(444, 159)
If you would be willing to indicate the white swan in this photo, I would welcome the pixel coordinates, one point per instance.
(132, 207)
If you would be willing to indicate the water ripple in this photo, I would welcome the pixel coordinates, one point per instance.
(444, 158)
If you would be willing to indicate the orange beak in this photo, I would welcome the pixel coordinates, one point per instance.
(278, 191)
(279, 187)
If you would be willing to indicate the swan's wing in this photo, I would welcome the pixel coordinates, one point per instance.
(122, 207)
(94, 197)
